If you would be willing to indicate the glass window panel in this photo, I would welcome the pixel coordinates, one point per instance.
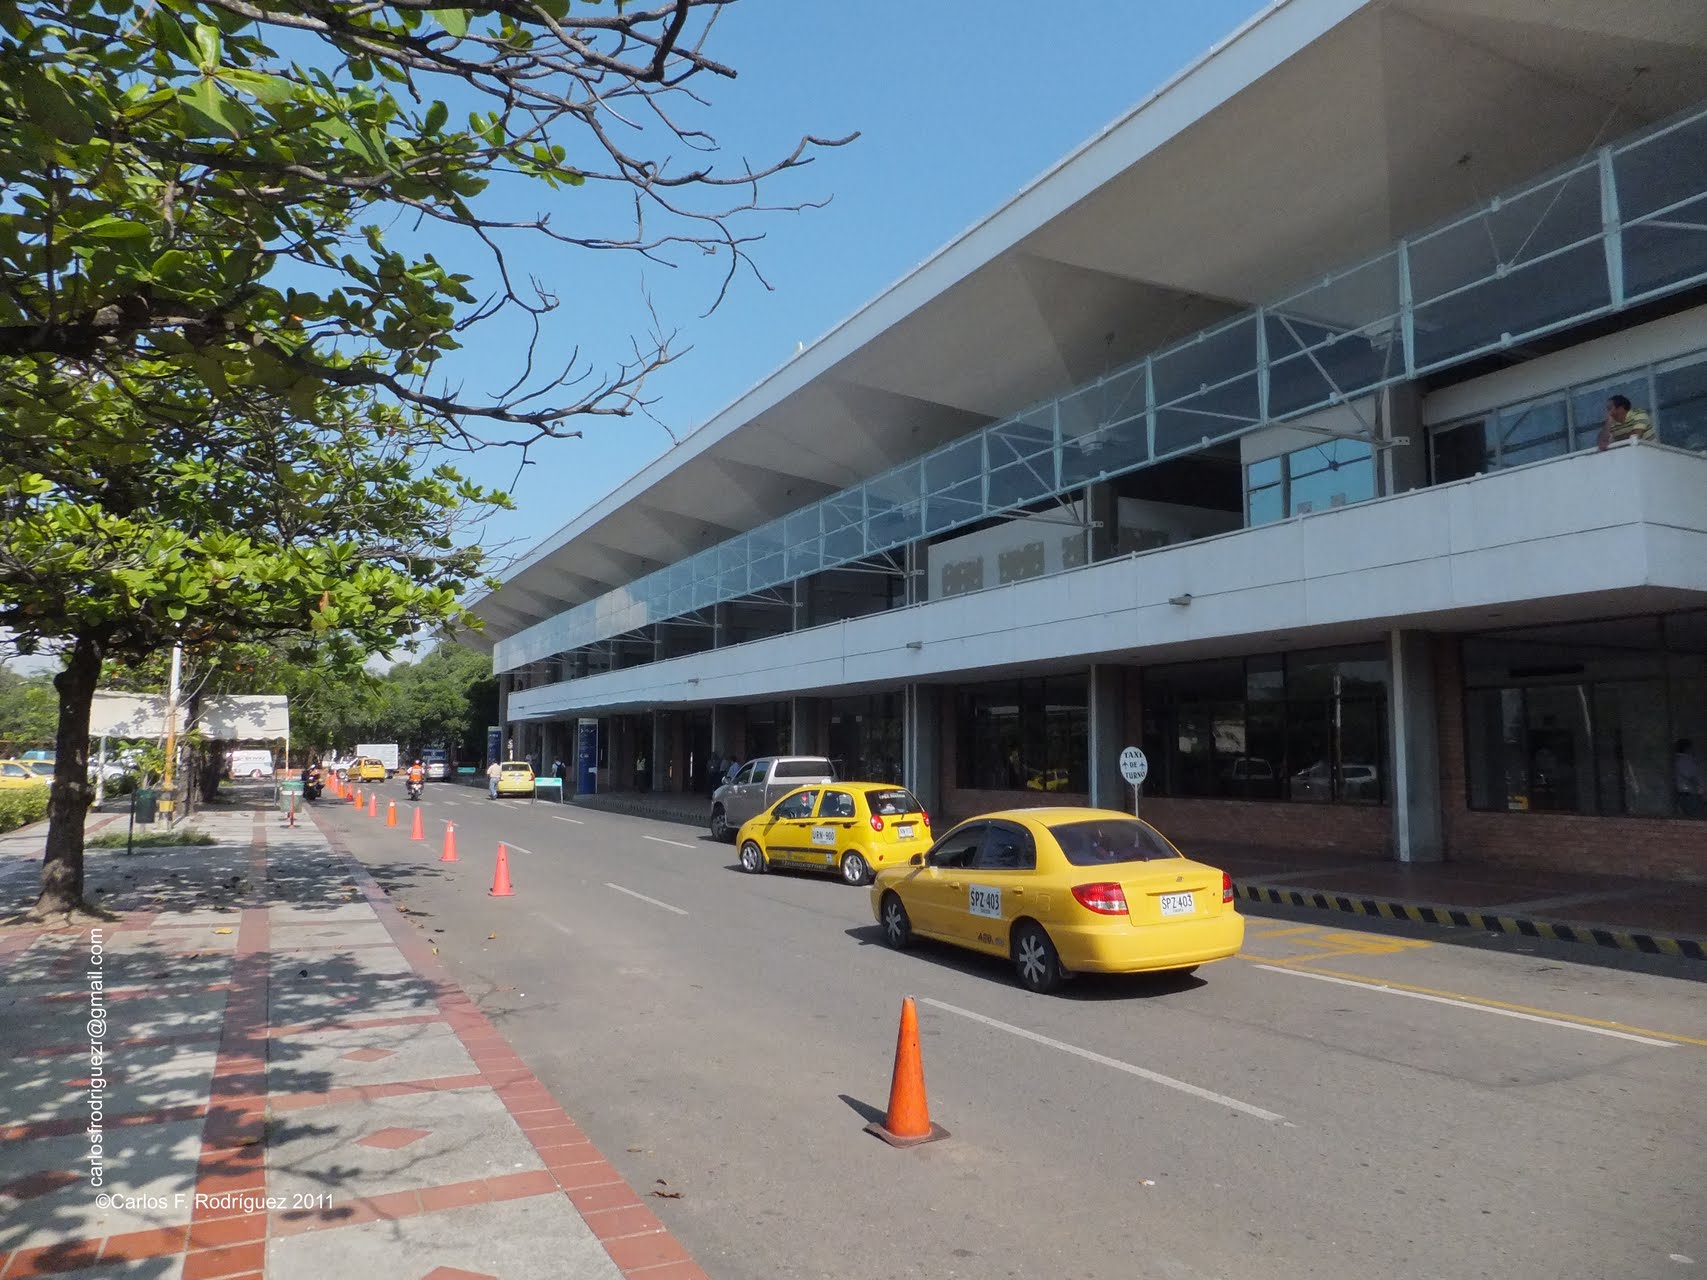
(893, 508)
(765, 559)
(1666, 251)
(1522, 302)
(1265, 505)
(1268, 471)
(732, 568)
(1110, 451)
(1556, 748)
(1260, 773)
(1347, 367)
(1210, 415)
(1310, 750)
(1206, 361)
(844, 528)
(1510, 234)
(1362, 764)
(1331, 474)
(1589, 405)
(1680, 394)
(1023, 438)
(1459, 452)
(954, 485)
(1022, 482)
(1632, 752)
(805, 552)
(1531, 432)
(1348, 303)
(1657, 172)
(705, 579)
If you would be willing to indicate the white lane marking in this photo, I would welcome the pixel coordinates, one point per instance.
(451, 804)
(1469, 1004)
(519, 849)
(661, 840)
(644, 898)
(564, 929)
(560, 818)
(1143, 1073)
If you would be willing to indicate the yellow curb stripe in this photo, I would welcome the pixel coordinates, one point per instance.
(1490, 1003)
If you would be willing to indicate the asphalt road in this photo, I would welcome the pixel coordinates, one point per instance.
(1338, 1101)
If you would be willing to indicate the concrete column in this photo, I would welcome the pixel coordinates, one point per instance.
(504, 713)
(719, 625)
(1102, 513)
(1418, 829)
(921, 744)
(917, 561)
(800, 617)
(1108, 736)
(807, 726)
(1403, 467)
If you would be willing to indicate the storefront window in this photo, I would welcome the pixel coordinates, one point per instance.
(865, 737)
(1025, 735)
(1309, 727)
(1598, 718)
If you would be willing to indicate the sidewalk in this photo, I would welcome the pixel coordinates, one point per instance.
(286, 1083)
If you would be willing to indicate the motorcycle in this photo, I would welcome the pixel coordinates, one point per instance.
(312, 786)
(414, 790)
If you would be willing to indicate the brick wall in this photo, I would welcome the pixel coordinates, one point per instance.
(1274, 824)
(960, 803)
(1656, 848)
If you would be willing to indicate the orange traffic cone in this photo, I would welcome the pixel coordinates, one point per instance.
(909, 1120)
(373, 804)
(391, 813)
(450, 843)
(356, 795)
(501, 877)
(415, 832)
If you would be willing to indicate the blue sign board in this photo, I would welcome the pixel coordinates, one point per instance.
(494, 743)
(586, 756)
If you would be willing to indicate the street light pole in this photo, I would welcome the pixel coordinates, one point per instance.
(168, 798)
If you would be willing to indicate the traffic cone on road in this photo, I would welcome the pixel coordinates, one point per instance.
(391, 813)
(373, 804)
(415, 832)
(449, 854)
(501, 877)
(908, 1122)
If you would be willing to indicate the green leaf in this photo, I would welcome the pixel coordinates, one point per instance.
(111, 227)
(437, 114)
(212, 107)
(454, 21)
(207, 45)
(273, 90)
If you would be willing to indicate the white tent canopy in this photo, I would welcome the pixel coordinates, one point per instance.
(223, 717)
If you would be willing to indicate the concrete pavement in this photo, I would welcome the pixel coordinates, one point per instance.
(1344, 1093)
(261, 1069)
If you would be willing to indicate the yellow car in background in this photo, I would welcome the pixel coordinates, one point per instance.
(365, 769)
(515, 778)
(1062, 891)
(853, 829)
(16, 774)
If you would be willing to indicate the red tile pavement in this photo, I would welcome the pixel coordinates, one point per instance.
(226, 1237)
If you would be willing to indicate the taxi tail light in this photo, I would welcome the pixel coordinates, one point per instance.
(1226, 887)
(1105, 898)
(877, 822)
(925, 816)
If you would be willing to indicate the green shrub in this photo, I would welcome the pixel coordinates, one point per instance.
(22, 806)
(147, 839)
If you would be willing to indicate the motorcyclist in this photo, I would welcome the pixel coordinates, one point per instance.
(417, 778)
(311, 782)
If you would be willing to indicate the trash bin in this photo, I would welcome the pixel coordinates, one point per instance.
(147, 801)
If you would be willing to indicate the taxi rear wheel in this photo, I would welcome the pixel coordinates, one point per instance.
(752, 858)
(856, 870)
(1035, 959)
(897, 927)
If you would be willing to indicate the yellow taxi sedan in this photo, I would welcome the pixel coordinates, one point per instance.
(365, 769)
(1059, 892)
(853, 829)
(16, 774)
(515, 778)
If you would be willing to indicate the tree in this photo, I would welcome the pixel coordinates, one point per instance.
(27, 709)
(278, 529)
(203, 183)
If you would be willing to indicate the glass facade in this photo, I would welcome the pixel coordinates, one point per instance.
(1026, 735)
(1673, 394)
(865, 737)
(1317, 477)
(1308, 726)
(1598, 717)
(1623, 227)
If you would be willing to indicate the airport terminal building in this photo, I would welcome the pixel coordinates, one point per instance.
(1261, 432)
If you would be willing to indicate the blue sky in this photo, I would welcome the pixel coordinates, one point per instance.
(958, 106)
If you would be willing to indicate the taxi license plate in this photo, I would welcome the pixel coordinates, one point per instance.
(1178, 904)
(905, 831)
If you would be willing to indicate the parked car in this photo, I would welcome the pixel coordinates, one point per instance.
(851, 828)
(515, 778)
(15, 775)
(364, 769)
(760, 783)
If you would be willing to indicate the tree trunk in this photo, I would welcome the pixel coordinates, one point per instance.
(209, 767)
(68, 802)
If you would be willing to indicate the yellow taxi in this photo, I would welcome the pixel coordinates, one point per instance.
(1062, 891)
(515, 778)
(17, 774)
(365, 769)
(853, 829)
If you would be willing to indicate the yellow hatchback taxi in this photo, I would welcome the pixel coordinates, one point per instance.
(515, 778)
(16, 774)
(1062, 891)
(854, 829)
(366, 769)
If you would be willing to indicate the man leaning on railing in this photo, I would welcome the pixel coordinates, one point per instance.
(1623, 422)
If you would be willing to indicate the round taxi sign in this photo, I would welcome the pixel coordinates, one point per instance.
(1133, 766)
